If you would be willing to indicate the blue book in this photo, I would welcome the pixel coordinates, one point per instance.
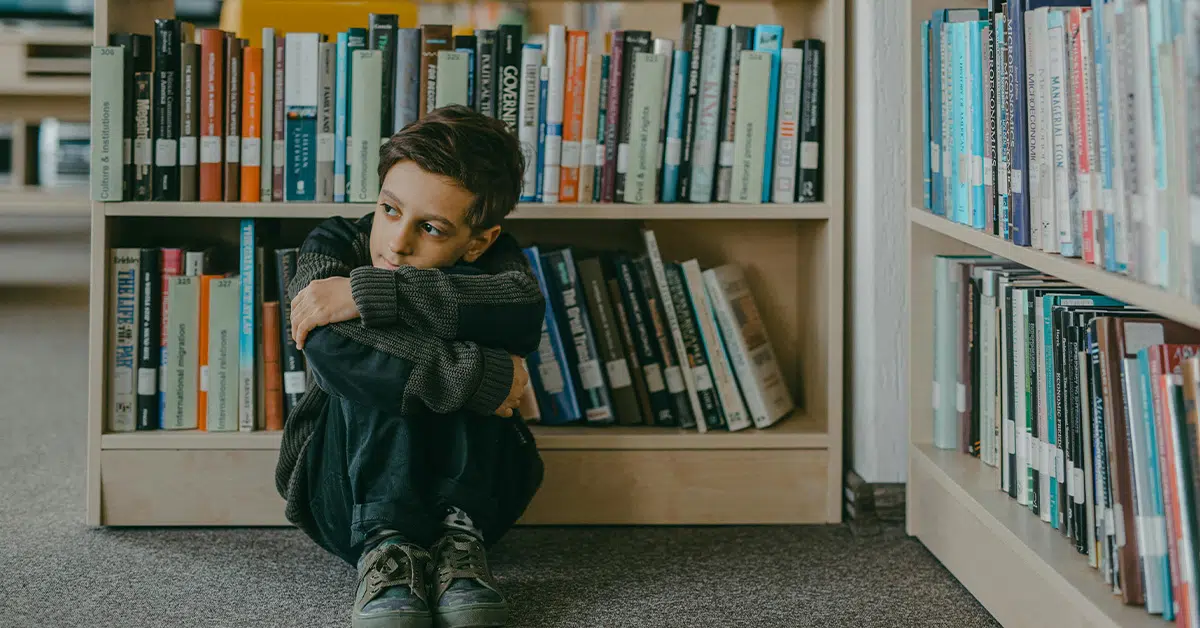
(340, 100)
(1018, 206)
(940, 118)
(247, 272)
(961, 157)
(1156, 518)
(677, 103)
(769, 38)
(1104, 133)
(976, 82)
(566, 297)
(548, 366)
(927, 202)
(543, 87)
(356, 39)
(470, 52)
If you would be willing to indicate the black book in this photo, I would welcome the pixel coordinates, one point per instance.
(622, 385)
(648, 351)
(695, 360)
(507, 60)
(696, 17)
(740, 38)
(381, 35)
(291, 359)
(635, 42)
(138, 56)
(149, 338)
(567, 301)
(974, 296)
(812, 122)
(166, 110)
(143, 140)
(681, 403)
(485, 67)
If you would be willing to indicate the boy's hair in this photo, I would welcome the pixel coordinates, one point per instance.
(476, 151)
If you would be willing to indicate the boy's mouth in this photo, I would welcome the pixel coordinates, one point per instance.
(387, 264)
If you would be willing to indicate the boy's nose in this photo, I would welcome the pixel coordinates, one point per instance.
(403, 238)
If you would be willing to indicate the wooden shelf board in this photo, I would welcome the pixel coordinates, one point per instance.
(41, 202)
(590, 211)
(1034, 563)
(1075, 271)
(795, 432)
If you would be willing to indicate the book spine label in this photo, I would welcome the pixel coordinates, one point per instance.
(452, 78)
(326, 137)
(812, 124)
(149, 335)
(340, 102)
(189, 122)
(247, 271)
(301, 100)
(644, 120)
(166, 110)
(708, 115)
(635, 42)
(508, 75)
(143, 141)
(381, 29)
(108, 123)
(749, 147)
(233, 122)
(279, 166)
(123, 339)
(579, 343)
(266, 115)
(791, 70)
(645, 341)
(693, 358)
(740, 39)
(549, 369)
(590, 128)
(408, 76)
(527, 124)
(366, 66)
(251, 176)
(575, 108)
(434, 38)
(223, 369)
(674, 331)
(674, 142)
(485, 72)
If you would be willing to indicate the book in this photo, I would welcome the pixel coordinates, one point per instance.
(644, 118)
(674, 138)
(247, 340)
(301, 102)
(485, 71)
(189, 122)
(590, 129)
(233, 120)
(452, 83)
(576, 109)
(366, 68)
(434, 38)
(408, 77)
(326, 135)
(143, 137)
(791, 71)
(182, 368)
(291, 359)
(224, 305)
(266, 115)
(251, 175)
(733, 407)
(634, 42)
(381, 36)
(107, 178)
(149, 334)
(123, 337)
(212, 114)
(564, 292)
(549, 371)
(166, 110)
(551, 156)
(750, 145)
(527, 123)
(508, 60)
(609, 345)
(811, 175)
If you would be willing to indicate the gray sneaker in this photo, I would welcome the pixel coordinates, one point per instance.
(391, 587)
(465, 593)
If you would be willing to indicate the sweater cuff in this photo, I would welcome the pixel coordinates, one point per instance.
(374, 293)
(496, 383)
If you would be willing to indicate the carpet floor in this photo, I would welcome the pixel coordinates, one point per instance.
(56, 571)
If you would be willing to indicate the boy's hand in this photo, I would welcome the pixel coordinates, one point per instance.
(321, 302)
(520, 379)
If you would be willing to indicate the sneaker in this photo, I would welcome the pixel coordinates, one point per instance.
(465, 593)
(391, 587)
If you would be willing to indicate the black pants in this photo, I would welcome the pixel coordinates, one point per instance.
(368, 471)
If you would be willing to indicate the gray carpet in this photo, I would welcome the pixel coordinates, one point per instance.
(56, 571)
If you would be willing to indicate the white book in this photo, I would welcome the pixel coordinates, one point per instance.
(787, 133)
(224, 316)
(668, 305)
(1035, 142)
(123, 339)
(527, 117)
(266, 120)
(732, 405)
(644, 131)
(1191, 148)
(1008, 427)
(1145, 194)
(326, 73)
(366, 79)
(665, 47)
(108, 106)
(987, 357)
(1045, 130)
(750, 141)
(193, 262)
(758, 372)
(556, 61)
(708, 115)
(451, 87)
(591, 120)
(1020, 411)
(1150, 526)
(1118, 199)
(1061, 129)
(183, 334)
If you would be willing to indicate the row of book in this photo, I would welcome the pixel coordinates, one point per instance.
(1086, 408)
(200, 340)
(727, 114)
(1070, 126)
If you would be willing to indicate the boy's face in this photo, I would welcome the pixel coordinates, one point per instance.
(421, 221)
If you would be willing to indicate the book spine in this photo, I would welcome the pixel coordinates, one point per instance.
(768, 38)
(273, 384)
(644, 133)
(608, 342)
(251, 176)
(233, 121)
(945, 55)
(408, 77)
(189, 122)
(988, 125)
(551, 156)
(675, 331)
(170, 265)
(708, 115)
(182, 364)
(452, 78)
(708, 411)
(485, 72)
(527, 125)
(223, 377)
(612, 118)
(356, 39)
(937, 95)
(733, 408)
(508, 59)
(248, 273)
(291, 358)
(601, 131)
(574, 107)
(672, 370)
(701, 15)
(1003, 121)
(125, 44)
(108, 107)
(589, 129)
(961, 168)
(381, 29)
(205, 282)
(278, 139)
(635, 42)
(926, 142)
(143, 141)
(166, 110)
(366, 66)
(1018, 208)
(340, 102)
(579, 341)
(326, 135)
(539, 177)
(740, 38)
(123, 338)
(674, 142)
(665, 48)
(791, 72)
(301, 101)
(1059, 98)
(149, 334)
(434, 38)
(976, 111)
(661, 404)
(266, 115)
(749, 147)
(550, 374)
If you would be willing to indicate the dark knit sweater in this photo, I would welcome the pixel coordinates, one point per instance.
(444, 337)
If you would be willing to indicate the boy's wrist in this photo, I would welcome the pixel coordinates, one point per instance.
(495, 384)
(374, 293)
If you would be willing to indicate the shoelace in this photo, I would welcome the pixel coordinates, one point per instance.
(459, 559)
(393, 566)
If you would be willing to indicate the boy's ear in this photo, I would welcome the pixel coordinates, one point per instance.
(481, 242)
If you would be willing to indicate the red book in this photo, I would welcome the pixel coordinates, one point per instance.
(212, 113)
(573, 104)
(251, 131)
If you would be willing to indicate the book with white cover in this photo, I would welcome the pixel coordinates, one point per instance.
(108, 123)
(791, 70)
(451, 87)
(591, 121)
(527, 117)
(366, 80)
(556, 61)
(734, 408)
(224, 317)
(640, 175)
(266, 121)
(183, 365)
(708, 115)
(750, 141)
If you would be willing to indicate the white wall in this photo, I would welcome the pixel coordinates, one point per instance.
(877, 232)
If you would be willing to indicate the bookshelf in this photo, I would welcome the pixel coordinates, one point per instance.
(793, 255)
(1018, 567)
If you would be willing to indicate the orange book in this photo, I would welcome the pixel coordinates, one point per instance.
(251, 129)
(273, 394)
(212, 113)
(202, 349)
(573, 104)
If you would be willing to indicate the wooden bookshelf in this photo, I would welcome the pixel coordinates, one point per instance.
(1017, 566)
(793, 255)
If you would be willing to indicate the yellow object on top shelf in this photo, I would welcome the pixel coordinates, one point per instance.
(247, 18)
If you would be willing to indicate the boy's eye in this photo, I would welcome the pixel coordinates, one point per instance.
(430, 229)
(389, 210)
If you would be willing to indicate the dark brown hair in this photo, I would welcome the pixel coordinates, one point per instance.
(477, 152)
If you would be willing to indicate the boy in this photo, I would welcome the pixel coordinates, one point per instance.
(412, 320)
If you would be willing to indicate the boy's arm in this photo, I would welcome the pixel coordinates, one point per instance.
(495, 302)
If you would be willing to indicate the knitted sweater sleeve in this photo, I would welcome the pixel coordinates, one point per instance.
(392, 367)
(496, 301)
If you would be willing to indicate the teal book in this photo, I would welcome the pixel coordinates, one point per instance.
(247, 245)
(769, 38)
(927, 176)
(1156, 519)
(340, 100)
(976, 81)
(959, 158)
(356, 39)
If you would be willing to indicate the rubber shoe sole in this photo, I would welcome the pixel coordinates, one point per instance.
(392, 620)
(478, 616)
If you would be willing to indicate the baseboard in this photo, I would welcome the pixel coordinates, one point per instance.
(867, 502)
